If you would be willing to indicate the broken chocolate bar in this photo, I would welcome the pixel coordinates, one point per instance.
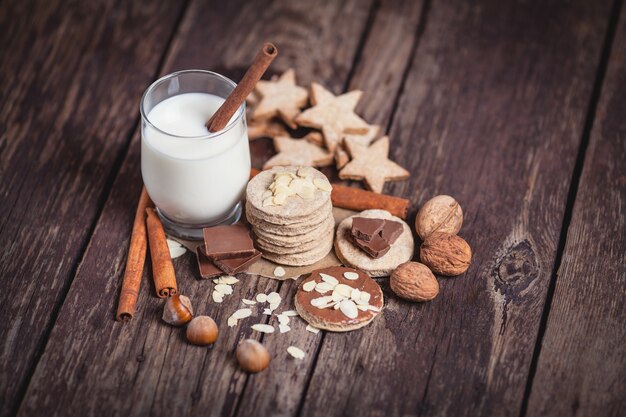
(235, 265)
(227, 242)
(206, 267)
(392, 231)
(375, 248)
(364, 228)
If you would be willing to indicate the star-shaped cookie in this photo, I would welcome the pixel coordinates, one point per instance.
(265, 129)
(334, 115)
(298, 152)
(281, 97)
(365, 139)
(372, 165)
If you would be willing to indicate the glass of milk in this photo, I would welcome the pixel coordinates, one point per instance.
(195, 178)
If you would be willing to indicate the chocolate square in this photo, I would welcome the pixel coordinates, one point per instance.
(364, 228)
(375, 248)
(227, 242)
(206, 267)
(236, 265)
(391, 231)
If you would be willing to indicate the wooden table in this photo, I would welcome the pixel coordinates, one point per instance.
(515, 108)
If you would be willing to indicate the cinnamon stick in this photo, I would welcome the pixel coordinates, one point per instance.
(162, 268)
(134, 262)
(358, 200)
(236, 98)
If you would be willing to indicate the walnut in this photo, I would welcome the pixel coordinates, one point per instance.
(446, 254)
(439, 214)
(413, 281)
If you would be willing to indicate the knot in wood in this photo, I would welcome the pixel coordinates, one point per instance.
(516, 269)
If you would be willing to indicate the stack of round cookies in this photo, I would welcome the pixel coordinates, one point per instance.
(291, 215)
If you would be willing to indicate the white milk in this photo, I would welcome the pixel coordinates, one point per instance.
(194, 179)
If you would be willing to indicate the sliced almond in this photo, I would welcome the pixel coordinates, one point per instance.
(322, 184)
(224, 289)
(312, 329)
(176, 249)
(329, 279)
(306, 194)
(267, 312)
(266, 193)
(273, 297)
(242, 313)
(248, 302)
(228, 280)
(279, 271)
(261, 298)
(263, 328)
(274, 306)
(296, 352)
(355, 294)
(308, 286)
(231, 321)
(218, 297)
(350, 275)
(349, 309)
(365, 296)
(269, 201)
(337, 305)
(367, 307)
(282, 319)
(283, 328)
(337, 296)
(344, 290)
(279, 199)
(317, 302)
(323, 287)
(305, 172)
(290, 313)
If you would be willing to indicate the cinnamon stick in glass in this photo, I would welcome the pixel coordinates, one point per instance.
(236, 98)
(134, 262)
(162, 267)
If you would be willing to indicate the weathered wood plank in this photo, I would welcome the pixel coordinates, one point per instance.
(70, 77)
(582, 363)
(492, 113)
(149, 368)
(379, 74)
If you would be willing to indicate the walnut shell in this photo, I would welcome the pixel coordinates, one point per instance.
(446, 254)
(413, 281)
(439, 214)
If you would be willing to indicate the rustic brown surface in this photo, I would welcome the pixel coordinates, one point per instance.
(70, 78)
(583, 358)
(486, 102)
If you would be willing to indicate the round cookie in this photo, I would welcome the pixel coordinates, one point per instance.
(297, 240)
(351, 255)
(303, 258)
(264, 246)
(294, 207)
(335, 320)
(290, 228)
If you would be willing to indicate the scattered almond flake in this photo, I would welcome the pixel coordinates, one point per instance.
(175, 248)
(283, 328)
(304, 172)
(261, 298)
(290, 313)
(242, 313)
(273, 297)
(343, 289)
(329, 279)
(263, 328)
(316, 302)
(228, 280)
(367, 307)
(355, 294)
(307, 194)
(336, 305)
(337, 296)
(349, 309)
(279, 271)
(312, 329)
(365, 296)
(322, 184)
(350, 275)
(248, 302)
(296, 352)
(308, 286)
(171, 243)
(218, 297)
(279, 199)
(323, 287)
(327, 305)
(232, 322)
(267, 312)
(224, 289)
(361, 302)
(274, 306)
(282, 319)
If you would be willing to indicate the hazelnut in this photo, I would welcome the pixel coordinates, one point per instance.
(252, 356)
(413, 281)
(177, 310)
(446, 254)
(202, 331)
(439, 214)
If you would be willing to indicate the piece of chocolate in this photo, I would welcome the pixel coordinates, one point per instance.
(392, 231)
(364, 228)
(227, 242)
(236, 265)
(206, 267)
(375, 248)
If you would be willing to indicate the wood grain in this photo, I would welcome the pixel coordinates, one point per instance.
(582, 361)
(149, 368)
(492, 112)
(71, 74)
